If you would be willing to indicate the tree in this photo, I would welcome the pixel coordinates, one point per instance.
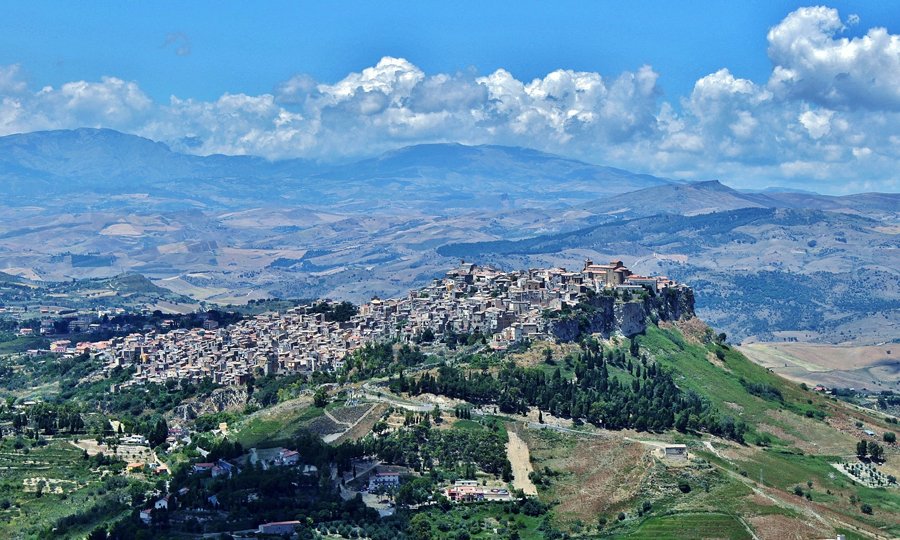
(890, 437)
(876, 451)
(320, 399)
(436, 414)
(507, 473)
(427, 336)
(98, 534)
(862, 449)
(158, 433)
(866, 508)
(634, 348)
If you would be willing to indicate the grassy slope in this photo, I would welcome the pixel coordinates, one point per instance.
(276, 425)
(604, 476)
(784, 465)
(690, 526)
(29, 514)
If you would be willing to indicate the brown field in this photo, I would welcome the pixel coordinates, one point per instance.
(874, 367)
(598, 474)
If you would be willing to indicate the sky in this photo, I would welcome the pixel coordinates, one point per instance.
(753, 93)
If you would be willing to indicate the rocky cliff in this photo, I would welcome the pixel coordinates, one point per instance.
(233, 398)
(608, 315)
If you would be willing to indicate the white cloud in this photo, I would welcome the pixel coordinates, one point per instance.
(812, 63)
(11, 82)
(830, 101)
(817, 123)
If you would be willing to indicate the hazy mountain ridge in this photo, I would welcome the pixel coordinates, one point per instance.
(43, 164)
(712, 196)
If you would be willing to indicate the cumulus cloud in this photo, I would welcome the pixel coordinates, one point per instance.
(812, 63)
(829, 112)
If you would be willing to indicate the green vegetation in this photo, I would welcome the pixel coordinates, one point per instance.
(459, 452)
(51, 483)
(646, 399)
(741, 383)
(478, 521)
(691, 526)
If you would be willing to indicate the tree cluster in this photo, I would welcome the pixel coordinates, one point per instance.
(649, 402)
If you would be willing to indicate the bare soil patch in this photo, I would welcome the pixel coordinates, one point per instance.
(517, 453)
(780, 527)
(831, 365)
(597, 475)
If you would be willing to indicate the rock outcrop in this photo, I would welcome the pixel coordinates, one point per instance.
(232, 398)
(607, 315)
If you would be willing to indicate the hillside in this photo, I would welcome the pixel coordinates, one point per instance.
(39, 165)
(693, 198)
(817, 267)
(89, 203)
(581, 423)
(129, 291)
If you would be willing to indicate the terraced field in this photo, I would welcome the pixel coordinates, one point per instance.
(349, 415)
(67, 486)
(691, 527)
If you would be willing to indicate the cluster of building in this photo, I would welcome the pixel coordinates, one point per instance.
(472, 491)
(504, 307)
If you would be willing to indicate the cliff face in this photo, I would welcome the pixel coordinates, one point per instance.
(233, 398)
(606, 315)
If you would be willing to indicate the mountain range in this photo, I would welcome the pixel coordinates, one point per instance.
(94, 203)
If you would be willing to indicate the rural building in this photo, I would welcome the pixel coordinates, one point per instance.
(278, 527)
(675, 451)
(384, 481)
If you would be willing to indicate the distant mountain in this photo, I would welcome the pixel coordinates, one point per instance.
(49, 163)
(683, 199)
(37, 165)
(693, 198)
(490, 163)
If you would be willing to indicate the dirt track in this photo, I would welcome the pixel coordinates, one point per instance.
(517, 452)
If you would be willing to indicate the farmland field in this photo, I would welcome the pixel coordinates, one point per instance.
(43, 483)
(691, 526)
(830, 365)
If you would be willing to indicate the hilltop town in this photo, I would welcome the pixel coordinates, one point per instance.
(502, 308)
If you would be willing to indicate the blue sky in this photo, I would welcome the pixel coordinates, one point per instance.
(119, 64)
(243, 47)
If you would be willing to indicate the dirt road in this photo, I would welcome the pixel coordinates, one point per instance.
(517, 452)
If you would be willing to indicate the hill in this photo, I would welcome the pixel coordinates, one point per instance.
(693, 198)
(129, 291)
(39, 165)
(669, 432)
(757, 271)
(93, 203)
